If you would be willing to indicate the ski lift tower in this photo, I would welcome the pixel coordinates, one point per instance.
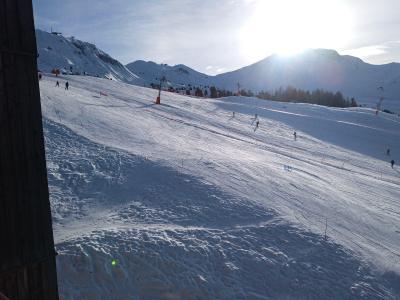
(27, 255)
(379, 105)
(162, 79)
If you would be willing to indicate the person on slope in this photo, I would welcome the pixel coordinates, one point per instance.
(255, 118)
(67, 85)
(57, 84)
(295, 135)
(392, 163)
(257, 124)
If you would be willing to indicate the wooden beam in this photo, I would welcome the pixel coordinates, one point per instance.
(27, 256)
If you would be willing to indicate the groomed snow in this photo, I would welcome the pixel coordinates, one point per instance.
(192, 203)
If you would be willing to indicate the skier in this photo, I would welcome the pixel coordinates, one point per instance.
(255, 118)
(233, 114)
(392, 163)
(388, 152)
(57, 84)
(66, 85)
(295, 135)
(257, 124)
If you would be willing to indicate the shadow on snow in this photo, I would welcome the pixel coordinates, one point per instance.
(176, 237)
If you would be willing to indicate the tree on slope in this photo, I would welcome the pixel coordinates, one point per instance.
(213, 92)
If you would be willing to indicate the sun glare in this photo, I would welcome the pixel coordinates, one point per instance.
(288, 26)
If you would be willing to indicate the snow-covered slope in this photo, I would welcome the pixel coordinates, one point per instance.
(185, 201)
(321, 69)
(179, 75)
(56, 51)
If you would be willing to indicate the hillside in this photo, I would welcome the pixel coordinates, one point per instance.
(185, 201)
(69, 54)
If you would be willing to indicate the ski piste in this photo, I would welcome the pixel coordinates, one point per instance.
(182, 200)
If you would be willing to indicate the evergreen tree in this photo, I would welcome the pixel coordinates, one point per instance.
(318, 96)
(198, 92)
(353, 103)
(213, 92)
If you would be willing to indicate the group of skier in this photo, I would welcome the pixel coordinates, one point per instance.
(257, 124)
(66, 85)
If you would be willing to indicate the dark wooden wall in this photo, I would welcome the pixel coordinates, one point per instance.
(27, 256)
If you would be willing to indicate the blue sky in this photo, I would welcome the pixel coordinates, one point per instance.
(215, 36)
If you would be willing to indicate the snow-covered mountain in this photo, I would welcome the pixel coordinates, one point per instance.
(321, 69)
(179, 75)
(310, 70)
(185, 200)
(75, 56)
(313, 69)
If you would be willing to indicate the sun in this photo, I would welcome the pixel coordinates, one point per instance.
(287, 27)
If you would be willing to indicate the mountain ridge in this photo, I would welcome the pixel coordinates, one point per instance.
(310, 70)
(71, 55)
(177, 75)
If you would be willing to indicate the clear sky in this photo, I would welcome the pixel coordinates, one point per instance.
(215, 36)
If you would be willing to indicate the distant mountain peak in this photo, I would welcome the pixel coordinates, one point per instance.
(78, 57)
(177, 75)
(322, 51)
